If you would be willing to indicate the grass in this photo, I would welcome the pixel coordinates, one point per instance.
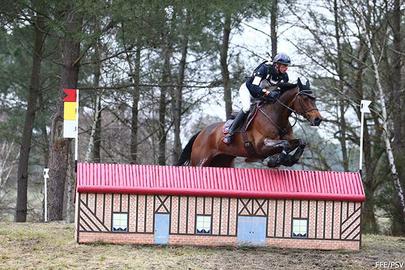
(52, 246)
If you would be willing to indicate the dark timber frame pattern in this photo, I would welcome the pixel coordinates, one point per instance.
(93, 218)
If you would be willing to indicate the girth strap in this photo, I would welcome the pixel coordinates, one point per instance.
(248, 144)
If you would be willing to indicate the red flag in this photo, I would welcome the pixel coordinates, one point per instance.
(70, 95)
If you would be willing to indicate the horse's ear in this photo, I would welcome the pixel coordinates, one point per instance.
(307, 86)
(299, 83)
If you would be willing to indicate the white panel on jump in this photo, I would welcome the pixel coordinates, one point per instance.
(70, 129)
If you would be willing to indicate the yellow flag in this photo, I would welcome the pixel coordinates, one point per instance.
(70, 110)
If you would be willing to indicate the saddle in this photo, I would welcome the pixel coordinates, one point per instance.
(254, 107)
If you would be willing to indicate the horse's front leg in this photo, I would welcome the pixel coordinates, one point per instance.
(283, 157)
(298, 145)
(271, 147)
(275, 151)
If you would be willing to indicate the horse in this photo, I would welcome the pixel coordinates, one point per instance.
(267, 134)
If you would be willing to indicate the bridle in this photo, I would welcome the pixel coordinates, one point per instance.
(288, 107)
(300, 93)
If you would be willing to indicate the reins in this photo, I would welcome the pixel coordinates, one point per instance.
(288, 107)
(282, 130)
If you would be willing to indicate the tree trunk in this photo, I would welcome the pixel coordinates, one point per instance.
(224, 65)
(97, 133)
(342, 103)
(273, 27)
(44, 133)
(369, 219)
(69, 194)
(398, 223)
(33, 93)
(178, 95)
(386, 135)
(135, 103)
(399, 127)
(162, 136)
(93, 152)
(60, 147)
(343, 137)
(369, 222)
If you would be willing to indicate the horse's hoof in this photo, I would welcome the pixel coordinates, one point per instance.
(273, 162)
(271, 165)
(302, 143)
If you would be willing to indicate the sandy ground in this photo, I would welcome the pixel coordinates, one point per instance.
(52, 246)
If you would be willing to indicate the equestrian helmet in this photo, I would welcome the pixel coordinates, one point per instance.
(282, 58)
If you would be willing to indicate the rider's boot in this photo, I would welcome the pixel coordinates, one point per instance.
(235, 124)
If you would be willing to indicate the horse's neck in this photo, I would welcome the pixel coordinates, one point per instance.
(278, 113)
(281, 113)
(281, 109)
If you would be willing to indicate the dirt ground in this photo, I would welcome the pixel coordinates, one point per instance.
(52, 246)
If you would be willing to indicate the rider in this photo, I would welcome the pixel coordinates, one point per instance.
(265, 81)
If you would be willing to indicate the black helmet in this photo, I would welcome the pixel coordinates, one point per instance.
(282, 58)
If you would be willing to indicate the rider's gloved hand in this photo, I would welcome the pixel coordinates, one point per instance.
(273, 95)
(265, 92)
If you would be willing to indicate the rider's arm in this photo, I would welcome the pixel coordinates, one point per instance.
(254, 84)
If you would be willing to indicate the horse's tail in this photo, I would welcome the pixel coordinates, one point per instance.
(185, 156)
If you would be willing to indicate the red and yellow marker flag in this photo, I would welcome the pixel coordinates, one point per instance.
(70, 113)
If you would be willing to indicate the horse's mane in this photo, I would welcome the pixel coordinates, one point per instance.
(288, 86)
(304, 88)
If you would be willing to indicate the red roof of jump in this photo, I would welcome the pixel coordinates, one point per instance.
(219, 182)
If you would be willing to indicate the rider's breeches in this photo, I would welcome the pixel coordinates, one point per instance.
(244, 95)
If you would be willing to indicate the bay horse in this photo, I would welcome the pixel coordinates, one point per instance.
(269, 134)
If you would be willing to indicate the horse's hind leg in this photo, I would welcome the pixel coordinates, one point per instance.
(203, 162)
(223, 161)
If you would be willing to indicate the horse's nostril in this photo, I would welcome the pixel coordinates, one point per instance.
(317, 121)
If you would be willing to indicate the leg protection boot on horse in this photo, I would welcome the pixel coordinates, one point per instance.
(277, 159)
(290, 160)
(236, 123)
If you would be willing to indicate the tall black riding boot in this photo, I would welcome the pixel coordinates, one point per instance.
(235, 124)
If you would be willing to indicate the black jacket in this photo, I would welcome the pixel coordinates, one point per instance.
(265, 71)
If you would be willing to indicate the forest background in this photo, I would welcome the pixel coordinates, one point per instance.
(152, 73)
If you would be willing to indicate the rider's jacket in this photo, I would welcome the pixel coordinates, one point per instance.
(265, 71)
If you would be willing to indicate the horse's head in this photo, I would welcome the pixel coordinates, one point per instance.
(304, 104)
